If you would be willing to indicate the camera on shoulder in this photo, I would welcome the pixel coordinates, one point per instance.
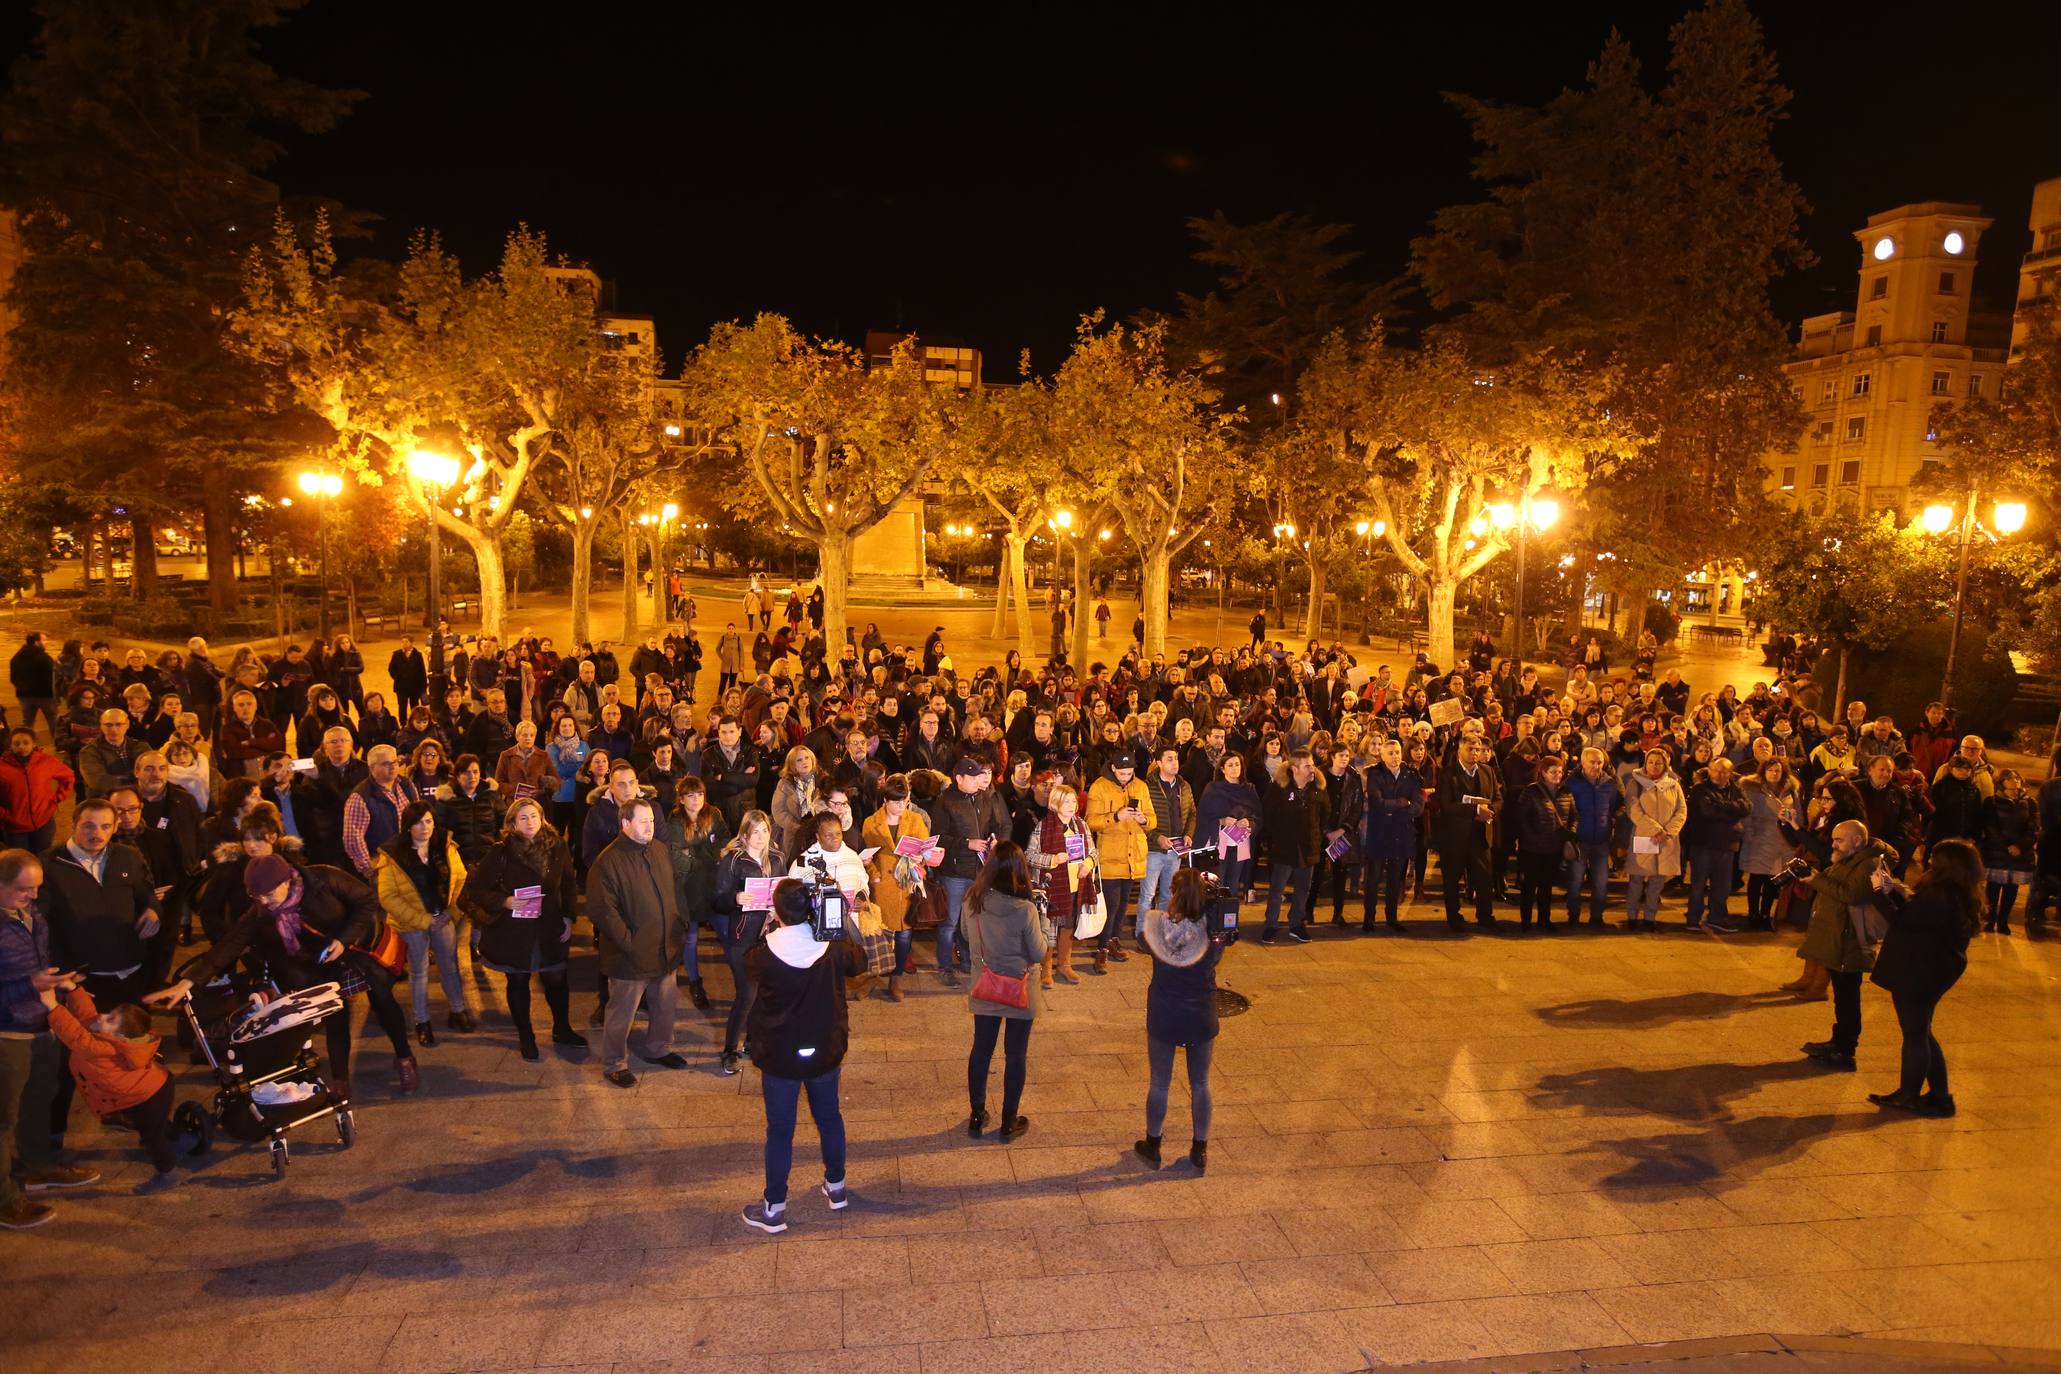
(828, 907)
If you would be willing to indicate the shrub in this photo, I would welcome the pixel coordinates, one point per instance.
(1899, 680)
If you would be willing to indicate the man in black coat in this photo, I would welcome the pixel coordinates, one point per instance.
(731, 769)
(103, 916)
(1296, 813)
(171, 821)
(1470, 793)
(634, 906)
(34, 675)
(1717, 824)
(410, 676)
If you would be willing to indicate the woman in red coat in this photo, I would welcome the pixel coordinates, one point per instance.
(33, 785)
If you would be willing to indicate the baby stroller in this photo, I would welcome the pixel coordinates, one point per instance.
(268, 1072)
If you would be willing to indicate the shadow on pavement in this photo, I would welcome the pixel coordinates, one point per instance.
(1644, 1013)
(1689, 1092)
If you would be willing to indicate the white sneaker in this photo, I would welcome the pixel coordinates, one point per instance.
(839, 1198)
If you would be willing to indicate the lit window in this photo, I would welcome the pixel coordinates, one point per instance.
(1856, 429)
(1939, 331)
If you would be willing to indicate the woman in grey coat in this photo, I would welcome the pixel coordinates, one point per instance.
(1769, 840)
(1007, 939)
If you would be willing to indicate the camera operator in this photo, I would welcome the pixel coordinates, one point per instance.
(1832, 939)
(1181, 1009)
(798, 1029)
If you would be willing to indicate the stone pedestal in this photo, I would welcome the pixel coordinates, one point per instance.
(891, 553)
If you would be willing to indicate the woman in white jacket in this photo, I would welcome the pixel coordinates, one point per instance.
(1659, 809)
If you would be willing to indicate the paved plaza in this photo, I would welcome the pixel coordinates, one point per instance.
(1425, 1150)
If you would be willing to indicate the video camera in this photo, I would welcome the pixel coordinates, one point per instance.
(828, 907)
(1222, 918)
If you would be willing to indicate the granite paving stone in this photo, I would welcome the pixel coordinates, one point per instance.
(1491, 1149)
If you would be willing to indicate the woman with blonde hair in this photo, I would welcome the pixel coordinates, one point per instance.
(1063, 864)
(796, 798)
(748, 855)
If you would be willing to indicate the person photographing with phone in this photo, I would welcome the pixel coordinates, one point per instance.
(1923, 955)
(798, 1030)
(1835, 938)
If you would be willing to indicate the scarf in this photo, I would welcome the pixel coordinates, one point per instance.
(287, 917)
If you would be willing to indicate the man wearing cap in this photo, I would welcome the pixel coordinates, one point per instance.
(968, 818)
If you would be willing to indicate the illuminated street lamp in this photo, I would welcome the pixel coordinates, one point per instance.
(322, 486)
(435, 472)
(1059, 523)
(1530, 513)
(2006, 517)
(1368, 531)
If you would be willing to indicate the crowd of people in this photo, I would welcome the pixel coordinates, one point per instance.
(1040, 822)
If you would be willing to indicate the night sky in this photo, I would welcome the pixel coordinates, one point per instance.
(991, 171)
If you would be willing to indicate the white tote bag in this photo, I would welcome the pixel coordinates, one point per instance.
(1088, 920)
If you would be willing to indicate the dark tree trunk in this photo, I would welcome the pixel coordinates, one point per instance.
(218, 528)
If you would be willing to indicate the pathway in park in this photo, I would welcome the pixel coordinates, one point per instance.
(1425, 1150)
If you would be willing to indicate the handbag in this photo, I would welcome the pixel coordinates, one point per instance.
(879, 947)
(1090, 917)
(1008, 992)
(386, 950)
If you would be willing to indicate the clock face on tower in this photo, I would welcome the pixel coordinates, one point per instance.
(1885, 249)
(1953, 243)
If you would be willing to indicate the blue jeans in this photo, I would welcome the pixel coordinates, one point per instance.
(1592, 865)
(1710, 881)
(948, 929)
(690, 949)
(1159, 881)
(1299, 907)
(783, 1097)
(442, 937)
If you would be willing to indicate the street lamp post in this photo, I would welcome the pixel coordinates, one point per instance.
(1529, 512)
(435, 472)
(321, 486)
(1368, 531)
(2008, 517)
(1060, 523)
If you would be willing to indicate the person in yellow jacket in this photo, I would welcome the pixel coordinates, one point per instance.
(418, 874)
(1119, 813)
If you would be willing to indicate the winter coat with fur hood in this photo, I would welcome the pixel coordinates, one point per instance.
(1181, 1001)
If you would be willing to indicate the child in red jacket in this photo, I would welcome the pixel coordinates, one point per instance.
(114, 1058)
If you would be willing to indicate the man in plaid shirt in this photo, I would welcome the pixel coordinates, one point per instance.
(372, 813)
